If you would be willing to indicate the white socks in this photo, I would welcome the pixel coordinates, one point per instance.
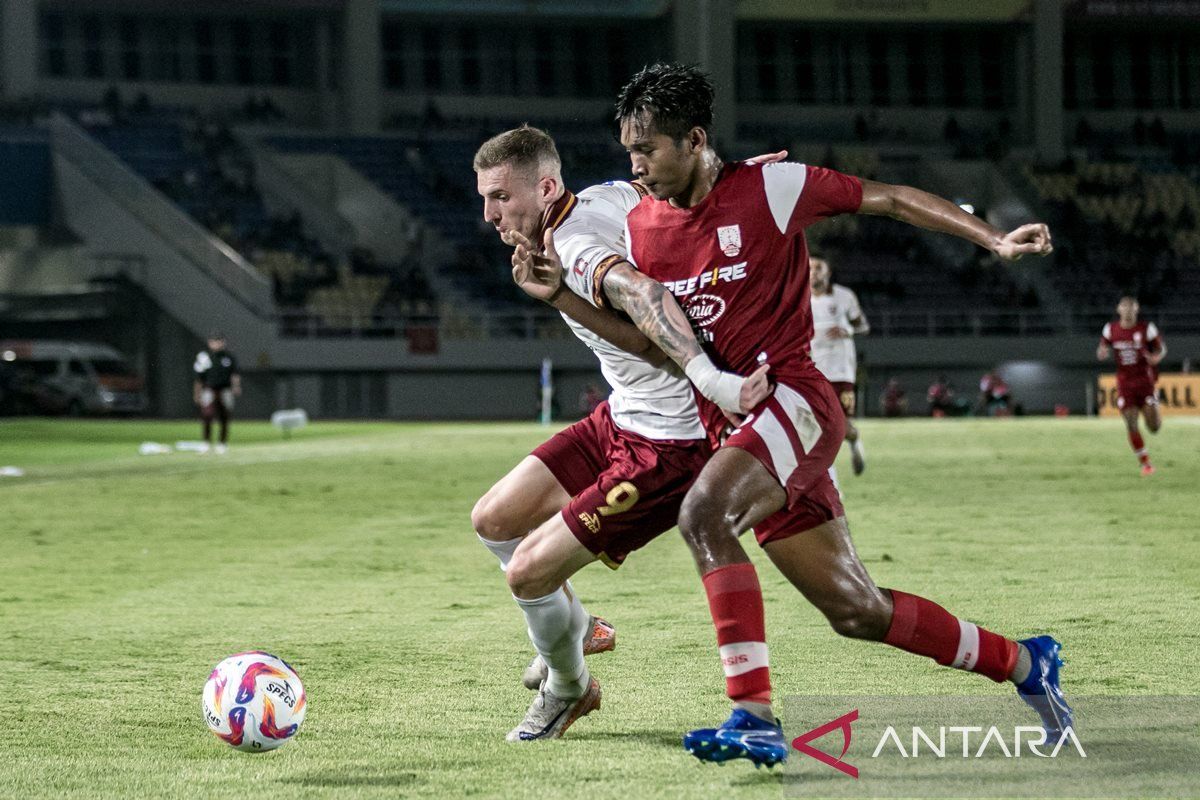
(502, 550)
(557, 623)
(1023, 666)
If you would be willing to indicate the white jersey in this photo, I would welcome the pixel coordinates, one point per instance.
(835, 358)
(655, 402)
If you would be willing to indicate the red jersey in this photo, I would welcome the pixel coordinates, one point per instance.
(1130, 347)
(737, 262)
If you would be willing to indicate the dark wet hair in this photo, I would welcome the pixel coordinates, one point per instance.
(673, 98)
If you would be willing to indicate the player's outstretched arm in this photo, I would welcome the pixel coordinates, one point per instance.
(925, 210)
(657, 314)
(1102, 351)
(540, 277)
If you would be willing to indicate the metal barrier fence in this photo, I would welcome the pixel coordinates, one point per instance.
(541, 324)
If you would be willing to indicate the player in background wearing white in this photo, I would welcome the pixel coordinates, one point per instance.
(618, 476)
(837, 319)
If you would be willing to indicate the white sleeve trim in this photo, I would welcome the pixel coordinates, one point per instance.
(203, 362)
(1106, 333)
(1151, 332)
(629, 247)
(784, 183)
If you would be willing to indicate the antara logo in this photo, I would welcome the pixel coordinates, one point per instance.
(1025, 738)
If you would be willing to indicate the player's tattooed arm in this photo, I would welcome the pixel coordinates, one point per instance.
(657, 314)
(654, 310)
(925, 210)
(609, 327)
(539, 275)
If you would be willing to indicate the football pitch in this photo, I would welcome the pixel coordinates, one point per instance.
(348, 551)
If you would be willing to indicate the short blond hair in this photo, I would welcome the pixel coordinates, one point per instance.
(525, 147)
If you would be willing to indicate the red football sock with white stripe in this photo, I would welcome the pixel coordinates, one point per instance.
(925, 628)
(735, 601)
(1139, 446)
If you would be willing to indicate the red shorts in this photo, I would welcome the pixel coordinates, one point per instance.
(1136, 394)
(796, 434)
(846, 395)
(626, 489)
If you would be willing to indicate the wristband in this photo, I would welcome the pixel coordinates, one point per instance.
(722, 388)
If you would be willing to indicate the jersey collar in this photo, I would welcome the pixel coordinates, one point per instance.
(556, 214)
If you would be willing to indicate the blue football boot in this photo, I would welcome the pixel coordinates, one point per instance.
(743, 735)
(1040, 689)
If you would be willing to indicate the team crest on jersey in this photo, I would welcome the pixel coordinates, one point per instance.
(581, 265)
(729, 237)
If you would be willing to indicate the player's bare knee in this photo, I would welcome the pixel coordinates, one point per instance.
(490, 521)
(525, 576)
(700, 517)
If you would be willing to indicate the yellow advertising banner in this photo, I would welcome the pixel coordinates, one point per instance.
(885, 10)
(1178, 394)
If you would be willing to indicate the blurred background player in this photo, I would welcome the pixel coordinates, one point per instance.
(1138, 350)
(216, 385)
(837, 319)
(995, 398)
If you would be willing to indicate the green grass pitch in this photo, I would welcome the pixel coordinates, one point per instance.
(348, 550)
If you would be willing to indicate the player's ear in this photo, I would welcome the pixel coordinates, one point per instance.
(547, 187)
(697, 138)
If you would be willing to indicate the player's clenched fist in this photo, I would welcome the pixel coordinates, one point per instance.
(1032, 239)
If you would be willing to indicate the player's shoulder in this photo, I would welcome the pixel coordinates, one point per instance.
(622, 194)
(1107, 330)
(844, 292)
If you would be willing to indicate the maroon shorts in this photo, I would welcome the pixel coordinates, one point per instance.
(1136, 394)
(626, 489)
(846, 396)
(796, 434)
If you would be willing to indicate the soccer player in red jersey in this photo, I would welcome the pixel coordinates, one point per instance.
(1138, 348)
(727, 241)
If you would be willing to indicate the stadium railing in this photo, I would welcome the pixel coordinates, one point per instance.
(541, 324)
(134, 193)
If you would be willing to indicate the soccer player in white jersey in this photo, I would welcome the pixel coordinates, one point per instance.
(610, 483)
(837, 319)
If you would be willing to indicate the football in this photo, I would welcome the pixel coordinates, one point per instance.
(253, 701)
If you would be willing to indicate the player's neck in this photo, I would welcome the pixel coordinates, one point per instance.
(704, 178)
(819, 292)
(1130, 324)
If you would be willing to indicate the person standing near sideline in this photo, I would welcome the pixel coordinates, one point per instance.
(217, 383)
(837, 319)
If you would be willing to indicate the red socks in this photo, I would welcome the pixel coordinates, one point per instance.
(1139, 446)
(925, 628)
(735, 601)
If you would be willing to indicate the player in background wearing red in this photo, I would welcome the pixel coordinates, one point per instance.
(837, 319)
(1138, 349)
(727, 239)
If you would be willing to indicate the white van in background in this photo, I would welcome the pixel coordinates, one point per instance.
(73, 378)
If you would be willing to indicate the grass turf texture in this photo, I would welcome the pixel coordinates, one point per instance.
(348, 551)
